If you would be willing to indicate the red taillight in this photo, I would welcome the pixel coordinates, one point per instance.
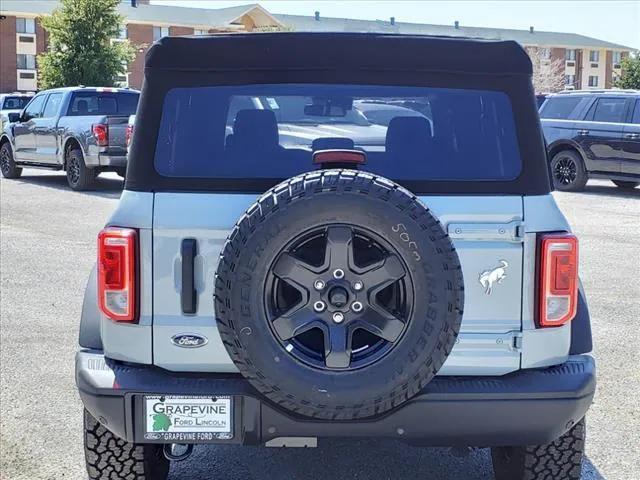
(558, 279)
(101, 134)
(117, 273)
(128, 133)
(330, 157)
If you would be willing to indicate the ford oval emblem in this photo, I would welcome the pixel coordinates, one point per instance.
(189, 340)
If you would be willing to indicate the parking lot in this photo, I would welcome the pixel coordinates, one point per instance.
(48, 239)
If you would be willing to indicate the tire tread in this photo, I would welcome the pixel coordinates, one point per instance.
(109, 457)
(336, 181)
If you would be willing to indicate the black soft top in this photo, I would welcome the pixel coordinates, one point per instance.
(336, 51)
(339, 58)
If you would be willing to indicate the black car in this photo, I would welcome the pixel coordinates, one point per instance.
(593, 134)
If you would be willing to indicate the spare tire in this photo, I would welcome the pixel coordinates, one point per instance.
(338, 295)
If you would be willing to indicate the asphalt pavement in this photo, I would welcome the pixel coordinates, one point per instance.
(47, 248)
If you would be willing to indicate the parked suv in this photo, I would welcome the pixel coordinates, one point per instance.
(80, 130)
(12, 103)
(420, 287)
(593, 134)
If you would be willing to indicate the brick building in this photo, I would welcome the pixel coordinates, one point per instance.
(588, 62)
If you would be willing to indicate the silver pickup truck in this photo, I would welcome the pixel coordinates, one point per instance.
(80, 130)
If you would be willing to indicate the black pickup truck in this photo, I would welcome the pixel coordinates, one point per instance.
(81, 130)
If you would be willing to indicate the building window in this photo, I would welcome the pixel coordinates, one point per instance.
(617, 58)
(200, 32)
(159, 32)
(545, 53)
(569, 80)
(593, 80)
(26, 62)
(570, 55)
(594, 55)
(122, 32)
(25, 25)
(122, 78)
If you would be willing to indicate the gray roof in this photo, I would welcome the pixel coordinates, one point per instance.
(159, 14)
(223, 17)
(524, 37)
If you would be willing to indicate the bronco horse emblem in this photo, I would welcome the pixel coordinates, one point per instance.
(489, 277)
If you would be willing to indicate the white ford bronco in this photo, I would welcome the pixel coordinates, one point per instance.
(282, 269)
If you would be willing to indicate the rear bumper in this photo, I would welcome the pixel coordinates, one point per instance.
(106, 160)
(528, 407)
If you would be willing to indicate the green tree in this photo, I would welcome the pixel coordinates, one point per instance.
(630, 73)
(81, 50)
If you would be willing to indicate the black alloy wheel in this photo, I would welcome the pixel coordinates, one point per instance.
(568, 171)
(565, 171)
(7, 164)
(339, 297)
(73, 170)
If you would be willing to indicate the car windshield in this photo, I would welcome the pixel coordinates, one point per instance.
(271, 131)
(15, 103)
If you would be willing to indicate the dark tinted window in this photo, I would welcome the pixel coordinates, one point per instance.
(607, 110)
(15, 103)
(560, 107)
(270, 131)
(35, 107)
(103, 103)
(636, 113)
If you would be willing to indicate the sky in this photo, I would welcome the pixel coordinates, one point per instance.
(614, 20)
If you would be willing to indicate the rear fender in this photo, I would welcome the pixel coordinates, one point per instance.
(581, 339)
(90, 320)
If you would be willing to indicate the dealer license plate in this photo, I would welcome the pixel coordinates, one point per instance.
(188, 419)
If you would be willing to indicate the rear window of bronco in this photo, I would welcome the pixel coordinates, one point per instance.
(271, 131)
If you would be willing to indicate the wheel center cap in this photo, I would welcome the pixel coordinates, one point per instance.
(338, 297)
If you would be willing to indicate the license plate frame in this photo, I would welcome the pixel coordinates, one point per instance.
(187, 418)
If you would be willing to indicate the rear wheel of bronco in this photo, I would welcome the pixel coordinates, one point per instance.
(567, 169)
(625, 184)
(79, 176)
(109, 457)
(339, 295)
(7, 164)
(560, 459)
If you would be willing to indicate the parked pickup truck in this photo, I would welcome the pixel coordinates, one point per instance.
(78, 129)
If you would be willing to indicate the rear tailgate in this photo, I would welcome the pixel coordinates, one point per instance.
(117, 130)
(486, 231)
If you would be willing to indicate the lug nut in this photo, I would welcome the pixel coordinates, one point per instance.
(338, 273)
(319, 285)
(358, 285)
(338, 317)
(319, 306)
(356, 307)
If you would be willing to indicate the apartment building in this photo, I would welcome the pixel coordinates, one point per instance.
(588, 62)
